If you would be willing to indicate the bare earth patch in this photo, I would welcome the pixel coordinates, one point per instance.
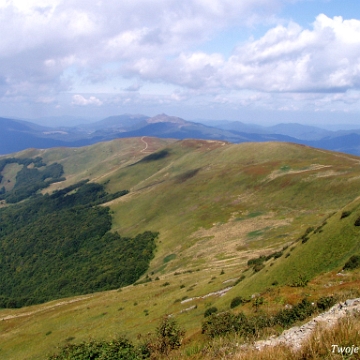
(226, 238)
(312, 167)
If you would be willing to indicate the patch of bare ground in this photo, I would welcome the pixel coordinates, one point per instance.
(226, 238)
(277, 173)
(328, 173)
(44, 308)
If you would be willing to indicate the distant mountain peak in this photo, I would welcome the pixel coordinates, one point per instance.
(163, 118)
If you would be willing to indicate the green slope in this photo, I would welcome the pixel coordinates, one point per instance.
(215, 205)
(326, 248)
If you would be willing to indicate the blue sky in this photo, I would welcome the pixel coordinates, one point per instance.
(256, 61)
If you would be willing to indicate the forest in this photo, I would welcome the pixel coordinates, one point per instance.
(58, 245)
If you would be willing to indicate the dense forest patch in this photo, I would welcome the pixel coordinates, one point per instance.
(33, 176)
(60, 245)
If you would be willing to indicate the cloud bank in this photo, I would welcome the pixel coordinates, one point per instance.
(143, 49)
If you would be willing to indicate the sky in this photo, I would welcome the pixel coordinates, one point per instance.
(255, 61)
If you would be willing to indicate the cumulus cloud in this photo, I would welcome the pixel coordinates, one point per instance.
(42, 39)
(286, 59)
(82, 101)
(49, 47)
(326, 58)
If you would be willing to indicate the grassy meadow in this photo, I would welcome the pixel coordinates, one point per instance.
(216, 206)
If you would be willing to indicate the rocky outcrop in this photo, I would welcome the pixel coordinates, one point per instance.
(295, 336)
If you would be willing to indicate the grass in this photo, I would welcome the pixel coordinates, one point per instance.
(195, 196)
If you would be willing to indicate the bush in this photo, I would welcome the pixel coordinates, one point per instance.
(345, 214)
(357, 221)
(258, 267)
(325, 302)
(114, 350)
(256, 261)
(168, 337)
(352, 263)
(236, 301)
(224, 323)
(241, 278)
(227, 322)
(210, 311)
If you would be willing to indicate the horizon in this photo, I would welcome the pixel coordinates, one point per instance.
(73, 121)
(264, 63)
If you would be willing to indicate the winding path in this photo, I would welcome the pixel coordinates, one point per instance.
(146, 144)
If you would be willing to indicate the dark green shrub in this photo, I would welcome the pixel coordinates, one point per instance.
(258, 267)
(210, 311)
(241, 278)
(357, 221)
(325, 302)
(352, 263)
(299, 312)
(345, 214)
(277, 254)
(256, 261)
(236, 301)
(224, 323)
(169, 336)
(113, 350)
(304, 240)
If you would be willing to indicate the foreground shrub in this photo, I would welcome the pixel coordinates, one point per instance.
(253, 326)
(352, 263)
(224, 323)
(210, 311)
(168, 337)
(325, 302)
(236, 301)
(101, 350)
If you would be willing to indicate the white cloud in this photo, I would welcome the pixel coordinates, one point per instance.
(326, 58)
(286, 59)
(82, 101)
(51, 47)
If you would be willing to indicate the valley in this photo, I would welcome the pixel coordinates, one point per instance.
(216, 205)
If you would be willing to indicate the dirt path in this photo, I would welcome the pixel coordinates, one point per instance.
(146, 144)
(46, 308)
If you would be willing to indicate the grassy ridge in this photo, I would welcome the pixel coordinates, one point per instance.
(215, 205)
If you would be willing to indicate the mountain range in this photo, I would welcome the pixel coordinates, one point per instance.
(17, 135)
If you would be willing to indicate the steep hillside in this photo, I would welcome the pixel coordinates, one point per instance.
(216, 206)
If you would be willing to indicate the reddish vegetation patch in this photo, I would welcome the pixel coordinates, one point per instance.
(257, 170)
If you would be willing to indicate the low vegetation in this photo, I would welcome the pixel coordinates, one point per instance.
(168, 336)
(253, 326)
